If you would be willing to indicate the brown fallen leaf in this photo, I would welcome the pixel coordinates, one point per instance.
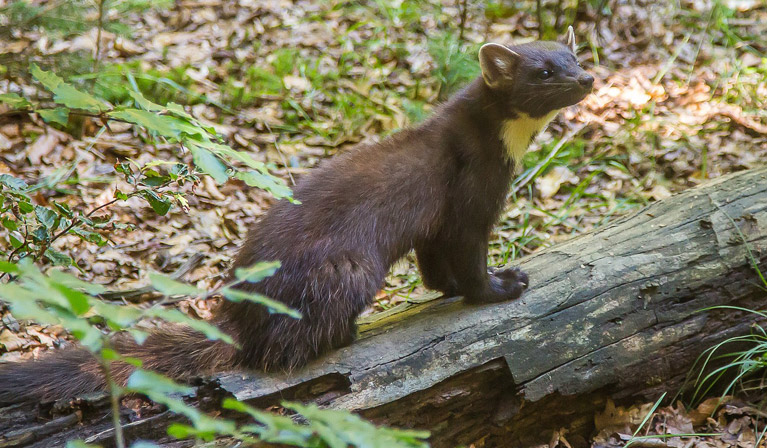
(549, 184)
(699, 416)
(658, 192)
(10, 341)
(735, 113)
(42, 337)
(620, 419)
(42, 147)
(675, 420)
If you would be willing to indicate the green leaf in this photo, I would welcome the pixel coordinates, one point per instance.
(257, 272)
(193, 132)
(66, 94)
(71, 281)
(273, 185)
(58, 258)
(8, 267)
(161, 124)
(143, 444)
(144, 381)
(120, 195)
(124, 168)
(179, 111)
(157, 389)
(154, 179)
(144, 103)
(91, 237)
(242, 156)
(273, 428)
(14, 100)
(209, 164)
(13, 183)
(108, 354)
(24, 304)
(59, 115)
(138, 336)
(118, 317)
(181, 431)
(274, 306)
(46, 216)
(173, 315)
(342, 429)
(159, 205)
(26, 207)
(9, 223)
(171, 287)
(78, 302)
(16, 239)
(81, 444)
(63, 209)
(41, 235)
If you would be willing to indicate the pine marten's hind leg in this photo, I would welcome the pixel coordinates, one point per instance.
(337, 291)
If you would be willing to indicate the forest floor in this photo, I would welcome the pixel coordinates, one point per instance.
(680, 97)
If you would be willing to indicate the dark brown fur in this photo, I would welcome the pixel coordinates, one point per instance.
(438, 188)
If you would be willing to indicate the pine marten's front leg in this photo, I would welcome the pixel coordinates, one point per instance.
(468, 262)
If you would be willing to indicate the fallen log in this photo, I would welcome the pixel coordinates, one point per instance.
(617, 313)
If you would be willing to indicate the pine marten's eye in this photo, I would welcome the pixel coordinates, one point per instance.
(544, 74)
(578, 63)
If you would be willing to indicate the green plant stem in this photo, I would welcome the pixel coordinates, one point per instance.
(114, 397)
(70, 227)
(98, 36)
(464, 7)
(646, 420)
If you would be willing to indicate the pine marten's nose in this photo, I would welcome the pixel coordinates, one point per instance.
(586, 81)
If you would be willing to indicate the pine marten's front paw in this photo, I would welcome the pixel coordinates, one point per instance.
(512, 281)
(508, 283)
(504, 284)
(511, 275)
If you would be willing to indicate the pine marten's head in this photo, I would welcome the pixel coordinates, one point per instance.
(535, 78)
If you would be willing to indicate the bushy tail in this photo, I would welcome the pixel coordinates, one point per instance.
(175, 351)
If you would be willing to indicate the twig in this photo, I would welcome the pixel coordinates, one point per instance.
(575, 13)
(464, 8)
(114, 398)
(282, 155)
(98, 36)
(70, 226)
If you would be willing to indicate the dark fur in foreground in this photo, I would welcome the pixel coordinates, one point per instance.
(438, 188)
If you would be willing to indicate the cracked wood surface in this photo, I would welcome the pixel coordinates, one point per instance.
(615, 313)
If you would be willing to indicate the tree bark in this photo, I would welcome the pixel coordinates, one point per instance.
(618, 313)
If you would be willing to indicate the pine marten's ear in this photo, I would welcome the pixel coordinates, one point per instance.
(570, 39)
(497, 63)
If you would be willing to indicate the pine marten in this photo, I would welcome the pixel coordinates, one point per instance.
(437, 188)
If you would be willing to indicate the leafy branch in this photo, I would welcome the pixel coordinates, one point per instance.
(59, 298)
(43, 225)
